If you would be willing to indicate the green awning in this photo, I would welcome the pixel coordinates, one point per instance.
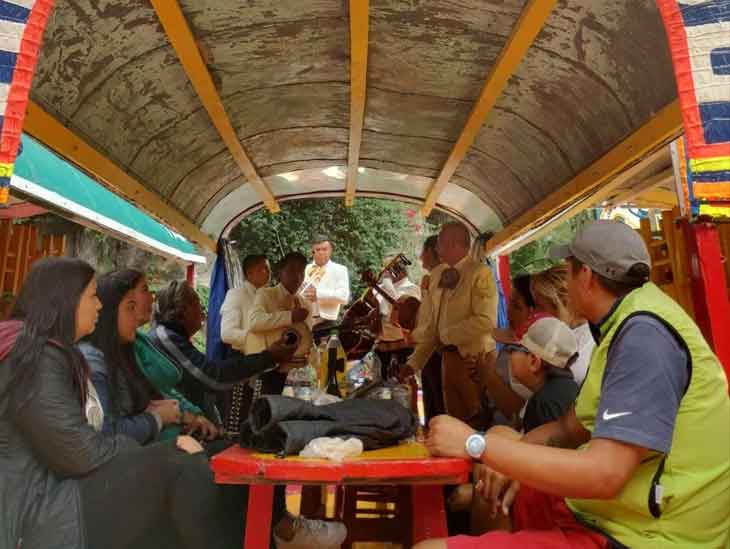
(43, 175)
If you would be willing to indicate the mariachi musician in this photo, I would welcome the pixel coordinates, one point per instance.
(394, 339)
(463, 304)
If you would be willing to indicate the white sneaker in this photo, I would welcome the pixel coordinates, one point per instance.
(314, 534)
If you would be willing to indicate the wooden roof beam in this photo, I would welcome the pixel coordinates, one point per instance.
(528, 26)
(46, 129)
(660, 130)
(359, 27)
(178, 32)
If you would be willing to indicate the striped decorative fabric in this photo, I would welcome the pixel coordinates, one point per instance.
(699, 41)
(22, 23)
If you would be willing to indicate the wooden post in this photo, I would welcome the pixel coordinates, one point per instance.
(709, 288)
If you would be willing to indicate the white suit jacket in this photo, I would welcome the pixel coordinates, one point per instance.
(235, 313)
(271, 316)
(333, 290)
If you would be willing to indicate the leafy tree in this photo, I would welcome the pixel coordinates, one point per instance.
(363, 235)
(535, 256)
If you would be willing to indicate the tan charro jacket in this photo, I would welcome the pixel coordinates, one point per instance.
(271, 316)
(464, 317)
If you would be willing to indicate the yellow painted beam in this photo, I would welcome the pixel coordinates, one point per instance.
(662, 128)
(178, 32)
(528, 26)
(359, 26)
(58, 137)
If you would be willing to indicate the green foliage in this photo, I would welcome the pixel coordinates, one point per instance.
(363, 235)
(535, 256)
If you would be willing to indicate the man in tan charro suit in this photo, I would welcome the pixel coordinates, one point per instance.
(464, 298)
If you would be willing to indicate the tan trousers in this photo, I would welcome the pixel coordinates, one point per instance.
(464, 385)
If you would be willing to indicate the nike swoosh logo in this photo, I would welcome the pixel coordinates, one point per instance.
(609, 417)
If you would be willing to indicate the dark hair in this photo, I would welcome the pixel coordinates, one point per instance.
(118, 355)
(170, 303)
(521, 285)
(292, 257)
(47, 306)
(431, 244)
(636, 277)
(250, 261)
(320, 238)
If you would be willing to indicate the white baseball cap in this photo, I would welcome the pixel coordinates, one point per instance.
(552, 340)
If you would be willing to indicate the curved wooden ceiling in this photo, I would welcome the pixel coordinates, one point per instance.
(597, 71)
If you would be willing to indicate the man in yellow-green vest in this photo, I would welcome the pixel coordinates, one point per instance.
(643, 459)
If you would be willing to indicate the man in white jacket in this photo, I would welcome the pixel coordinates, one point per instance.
(326, 283)
(236, 308)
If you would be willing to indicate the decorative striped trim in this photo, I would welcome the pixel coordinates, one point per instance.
(22, 23)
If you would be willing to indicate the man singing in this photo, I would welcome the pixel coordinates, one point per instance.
(326, 283)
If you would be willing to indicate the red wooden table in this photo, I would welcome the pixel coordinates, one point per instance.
(407, 464)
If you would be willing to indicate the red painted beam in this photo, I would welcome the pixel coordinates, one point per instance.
(709, 287)
(21, 210)
(505, 276)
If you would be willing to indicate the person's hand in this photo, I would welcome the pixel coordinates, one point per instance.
(202, 425)
(168, 410)
(496, 489)
(281, 352)
(310, 294)
(189, 445)
(405, 372)
(447, 437)
(299, 314)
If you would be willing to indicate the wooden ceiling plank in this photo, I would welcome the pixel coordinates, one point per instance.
(359, 29)
(46, 129)
(181, 37)
(531, 21)
(660, 130)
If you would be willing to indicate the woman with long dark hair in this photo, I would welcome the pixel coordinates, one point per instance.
(134, 405)
(63, 484)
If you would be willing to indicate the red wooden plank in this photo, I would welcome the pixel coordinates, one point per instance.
(236, 461)
(258, 517)
(429, 514)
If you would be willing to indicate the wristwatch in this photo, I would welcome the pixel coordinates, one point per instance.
(476, 445)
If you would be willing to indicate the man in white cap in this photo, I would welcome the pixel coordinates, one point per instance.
(643, 459)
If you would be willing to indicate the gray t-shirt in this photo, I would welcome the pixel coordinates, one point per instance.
(643, 384)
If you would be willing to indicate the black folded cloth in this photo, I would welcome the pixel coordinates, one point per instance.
(284, 425)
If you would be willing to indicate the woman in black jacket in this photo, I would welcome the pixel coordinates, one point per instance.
(64, 484)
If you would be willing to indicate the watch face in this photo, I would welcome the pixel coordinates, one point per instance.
(475, 446)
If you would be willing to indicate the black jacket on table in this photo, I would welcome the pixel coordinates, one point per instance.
(44, 448)
(283, 425)
(201, 375)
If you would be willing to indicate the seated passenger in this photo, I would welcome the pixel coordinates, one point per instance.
(550, 290)
(541, 361)
(178, 316)
(131, 405)
(66, 484)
